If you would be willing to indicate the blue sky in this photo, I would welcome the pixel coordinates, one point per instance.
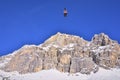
(33, 21)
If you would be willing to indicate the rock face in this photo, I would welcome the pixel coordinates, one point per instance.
(105, 52)
(66, 53)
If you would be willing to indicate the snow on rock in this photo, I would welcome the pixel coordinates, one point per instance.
(68, 47)
(5, 59)
(101, 49)
(61, 51)
(46, 48)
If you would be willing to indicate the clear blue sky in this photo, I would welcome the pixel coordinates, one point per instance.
(33, 21)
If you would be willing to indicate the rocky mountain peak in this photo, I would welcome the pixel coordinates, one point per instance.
(61, 39)
(66, 53)
(102, 39)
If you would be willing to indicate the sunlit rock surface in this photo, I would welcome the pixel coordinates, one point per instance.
(66, 53)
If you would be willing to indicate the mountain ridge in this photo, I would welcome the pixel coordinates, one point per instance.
(66, 53)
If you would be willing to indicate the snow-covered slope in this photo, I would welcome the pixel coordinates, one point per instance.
(53, 74)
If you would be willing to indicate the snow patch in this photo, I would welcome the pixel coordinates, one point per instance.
(46, 48)
(53, 74)
(68, 47)
(101, 49)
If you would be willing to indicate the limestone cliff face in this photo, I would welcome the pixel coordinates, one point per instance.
(102, 40)
(105, 51)
(66, 53)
